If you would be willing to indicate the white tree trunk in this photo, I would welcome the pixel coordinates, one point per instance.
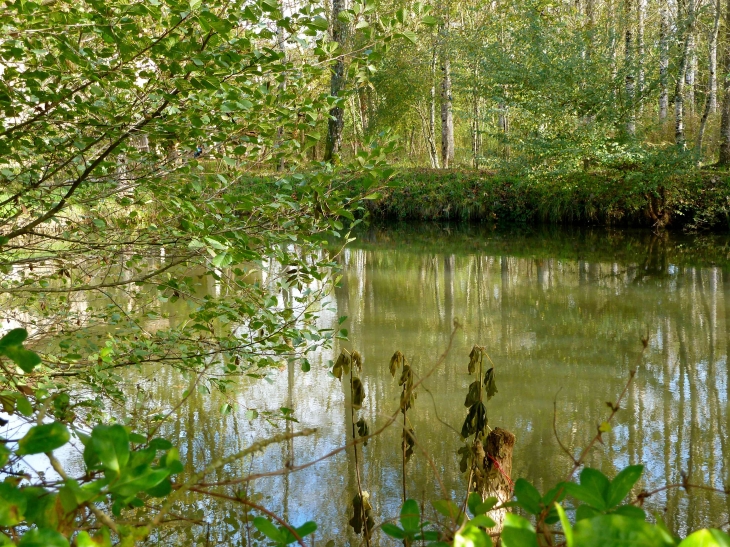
(663, 61)
(630, 79)
(447, 115)
(725, 119)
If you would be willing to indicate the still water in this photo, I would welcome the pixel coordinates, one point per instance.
(561, 314)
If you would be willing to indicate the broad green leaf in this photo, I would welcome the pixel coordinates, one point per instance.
(595, 480)
(12, 505)
(43, 438)
(630, 511)
(42, 537)
(410, 516)
(528, 496)
(24, 406)
(622, 484)
(482, 521)
(486, 506)
(111, 444)
(473, 501)
(586, 495)
(429, 20)
(449, 509)
(410, 36)
(307, 528)
(706, 538)
(27, 360)
(42, 508)
(269, 530)
(72, 495)
(472, 536)
(392, 530)
(617, 531)
(14, 337)
(518, 532)
(135, 480)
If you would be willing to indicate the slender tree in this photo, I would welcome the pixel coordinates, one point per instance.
(629, 67)
(724, 159)
(663, 61)
(711, 100)
(337, 81)
(447, 114)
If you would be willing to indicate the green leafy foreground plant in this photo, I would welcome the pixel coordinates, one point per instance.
(123, 470)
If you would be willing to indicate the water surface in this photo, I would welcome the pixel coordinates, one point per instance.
(561, 313)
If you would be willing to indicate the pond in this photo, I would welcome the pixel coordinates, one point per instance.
(561, 313)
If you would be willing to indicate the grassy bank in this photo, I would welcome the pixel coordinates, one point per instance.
(693, 198)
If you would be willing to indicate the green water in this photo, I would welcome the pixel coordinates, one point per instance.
(561, 313)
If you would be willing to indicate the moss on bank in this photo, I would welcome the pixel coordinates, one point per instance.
(693, 198)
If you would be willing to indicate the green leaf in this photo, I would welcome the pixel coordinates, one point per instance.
(473, 501)
(43, 438)
(429, 20)
(630, 511)
(392, 530)
(111, 444)
(595, 480)
(133, 481)
(449, 509)
(4, 455)
(472, 536)
(307, 528)
(410, 516)
(528, 496)
(14, 337)
(706, 538)
(518, 532)
(100, 540)
(269, 530)
(42, 537)
(27, 360)
(618, 531)
(486, 506)
(622, 484)
(11, 345)
(565, 523)
(12, 505)
(410, 36)
(24, 406)
(482, 521)
(320, 22)
(586, 495)
(374, 195)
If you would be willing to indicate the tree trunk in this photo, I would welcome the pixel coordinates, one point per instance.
(432, 114)
(630, 79)
(691, 68)
(476, 136)
(337, 80)
(447, 115)
(280, 40)
(711, 101)
(679, 135)
(725, 118)
(663, 61)
(640, 77)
